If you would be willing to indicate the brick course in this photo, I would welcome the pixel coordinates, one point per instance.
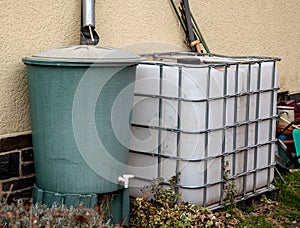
(16, 166)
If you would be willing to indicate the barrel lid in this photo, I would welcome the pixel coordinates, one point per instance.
(82, 55)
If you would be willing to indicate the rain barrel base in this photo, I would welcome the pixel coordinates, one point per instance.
(119, 203)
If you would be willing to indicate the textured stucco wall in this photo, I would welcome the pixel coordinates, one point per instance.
(233, 27)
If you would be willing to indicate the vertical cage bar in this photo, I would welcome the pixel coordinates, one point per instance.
(223, 132)
(256, 126)
(161, 69)
(235, 118)
(247, 131)
(178, 125)
(206, 136)
(271, 133)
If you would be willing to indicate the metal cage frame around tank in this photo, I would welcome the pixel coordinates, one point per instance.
(167, 59)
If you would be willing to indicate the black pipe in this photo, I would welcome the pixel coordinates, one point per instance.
(179, 18)
(189, 23)
(199, 35)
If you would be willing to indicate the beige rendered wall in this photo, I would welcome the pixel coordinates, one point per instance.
(232, 27)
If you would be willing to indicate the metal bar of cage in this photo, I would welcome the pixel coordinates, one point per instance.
(223, 134)
(256, 125)
(160, 120)
(212, 183)
(205, 158)
(205, 99)
(178, 134)
(207, 130)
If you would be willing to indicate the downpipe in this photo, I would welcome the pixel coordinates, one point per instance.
(88, 34)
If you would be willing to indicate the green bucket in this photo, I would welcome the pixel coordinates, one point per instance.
(296, 136)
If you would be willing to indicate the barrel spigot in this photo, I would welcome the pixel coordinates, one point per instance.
(125, 179)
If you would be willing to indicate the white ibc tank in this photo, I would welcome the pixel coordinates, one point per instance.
(190, 120)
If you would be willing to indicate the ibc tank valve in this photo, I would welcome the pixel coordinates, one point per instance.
(125, 179)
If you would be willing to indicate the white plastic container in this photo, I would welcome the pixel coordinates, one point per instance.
(286, 112)
(190, 120)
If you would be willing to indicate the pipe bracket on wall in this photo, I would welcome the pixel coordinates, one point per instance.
(88, 34)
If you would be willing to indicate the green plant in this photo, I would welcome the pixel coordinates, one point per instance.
(25, 214)
(289, 196)
(163, 210)
(229, 188)
(256, 221)
(251, 208)
(282, 213)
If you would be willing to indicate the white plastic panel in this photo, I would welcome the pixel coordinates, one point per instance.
(242, 79)
(196, 197)
(252, 107)
(264, 128)
(194, 83)
(141, 167)
(216, 88)
(168, 168)
(144, 140)
(251, 134)
(169, 143)
(254, 77)
(230, 104)
(229, 140)
(147, 79)
(192, 146)
(170, 114)
(241, 109)
(150, 109)
(170, 81)
(267, 76)
(231, 80)
(192, 173)
(215, 141)
(215, 115)
(265, 105)
(193, 116)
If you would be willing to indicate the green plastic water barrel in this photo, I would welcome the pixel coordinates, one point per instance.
(80, 100)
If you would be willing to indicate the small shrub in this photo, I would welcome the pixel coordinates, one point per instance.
(24, 214)
(163, 211)
(229, 189)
